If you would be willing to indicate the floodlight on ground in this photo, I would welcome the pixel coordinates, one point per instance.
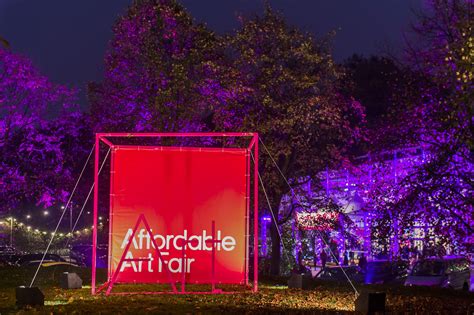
(370, 302)
(29, 296)
(70, 280)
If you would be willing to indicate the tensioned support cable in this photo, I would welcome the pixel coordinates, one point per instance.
(271, 211)
(322, 238)
(87, 198)
(62, 216)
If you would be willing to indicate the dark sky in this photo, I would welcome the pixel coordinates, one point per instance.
(67, 39)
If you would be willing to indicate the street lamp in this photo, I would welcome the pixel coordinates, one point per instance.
(70, 217)
(11, 231)
(70, 214)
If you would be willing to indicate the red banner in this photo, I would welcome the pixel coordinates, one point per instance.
(180, 191)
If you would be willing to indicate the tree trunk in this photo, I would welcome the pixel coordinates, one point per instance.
(276, 251)
(276, 241)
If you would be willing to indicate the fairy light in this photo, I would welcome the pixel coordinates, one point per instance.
(36, 231)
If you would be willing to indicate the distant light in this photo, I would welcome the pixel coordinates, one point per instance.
(61, 234)
(28, 216)
(45, 232)
(28, 228)
(37, 231)
(62, 207)
(45, 212)
(100, 218)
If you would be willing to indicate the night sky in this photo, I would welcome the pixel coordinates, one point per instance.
(67, 39)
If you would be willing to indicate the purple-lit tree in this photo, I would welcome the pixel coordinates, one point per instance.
(162, 73)
(437, 117)
(292, 100)
(32, 156)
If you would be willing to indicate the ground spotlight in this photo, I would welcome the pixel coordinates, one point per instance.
(26, 296)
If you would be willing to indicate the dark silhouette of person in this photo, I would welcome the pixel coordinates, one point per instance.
(362, 262)
(300, 266)
(324, 258)
(346, 259)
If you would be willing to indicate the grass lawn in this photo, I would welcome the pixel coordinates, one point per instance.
(273, 296)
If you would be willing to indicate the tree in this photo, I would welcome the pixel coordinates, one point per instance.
(438, 118)
(292, 100)
(32, 159)
(162, 72)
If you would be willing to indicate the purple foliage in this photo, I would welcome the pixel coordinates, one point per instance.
(32, 160)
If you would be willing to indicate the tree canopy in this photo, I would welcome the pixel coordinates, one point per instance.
(294, 102)
(436, 115)
(34, 166)
(161, 74)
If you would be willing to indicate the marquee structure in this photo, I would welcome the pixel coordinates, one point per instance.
(179, 209)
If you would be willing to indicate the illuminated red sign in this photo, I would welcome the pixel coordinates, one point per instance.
(180, 191)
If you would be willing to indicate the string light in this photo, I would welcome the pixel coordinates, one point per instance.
(9, 220)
